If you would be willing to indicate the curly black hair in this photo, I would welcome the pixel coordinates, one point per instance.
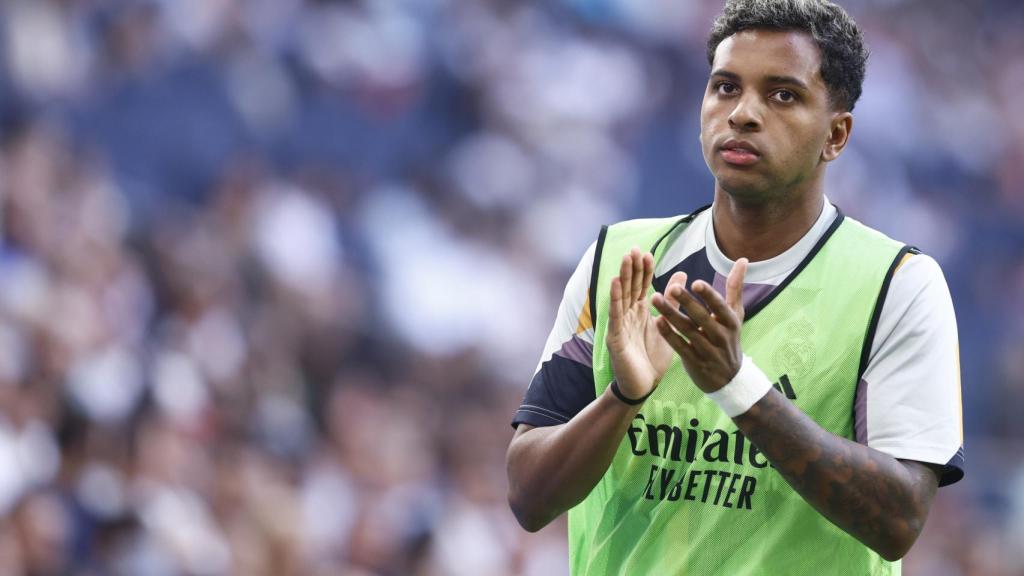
(843, 54)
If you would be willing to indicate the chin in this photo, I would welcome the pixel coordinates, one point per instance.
(746, 187)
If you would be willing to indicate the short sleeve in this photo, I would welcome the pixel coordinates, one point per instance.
(563, 383)
(909, 399)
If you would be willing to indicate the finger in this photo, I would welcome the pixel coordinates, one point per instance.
(626, 279)
(689, 357)
(700, 315)
(615, 307)
(648, 272)
(684, 325)
(722, 312)
(685, 349)
(677, 279)
(638, 274)
(673, 291)
(674, 339)
(734, 287)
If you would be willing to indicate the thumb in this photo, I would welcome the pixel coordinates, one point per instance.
(734, 287)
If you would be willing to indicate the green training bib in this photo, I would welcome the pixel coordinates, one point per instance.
(686, 493)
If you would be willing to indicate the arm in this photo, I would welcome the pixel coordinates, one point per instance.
(551, 469)
(881, 501)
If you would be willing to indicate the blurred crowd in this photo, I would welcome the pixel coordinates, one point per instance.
(275, 274)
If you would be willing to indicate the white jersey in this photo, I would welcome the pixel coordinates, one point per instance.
(908, 402)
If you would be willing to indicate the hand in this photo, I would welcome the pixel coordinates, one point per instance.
(706, 338)
(640, 356)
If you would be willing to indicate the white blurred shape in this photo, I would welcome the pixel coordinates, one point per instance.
(560, 226)
(178, 387)
(143, 557)
(491, 170)
(666, 19)
(28, 457)
(971, 128)
(262, 92)
(386, 45)
(217, 343)
(81, 323)
(573, 81)
(444, 293)
(200, 23)
(100, 489)
(41, 54)
(12, 479)
(38, 453)
(472, 540)
(889, 110)
(377, 42)
(106, 385)
(184, 526)
(284, 423)
(296, 238)
(24, 288)
(328, 510)
(547, 556)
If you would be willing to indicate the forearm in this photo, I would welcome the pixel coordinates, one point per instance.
(551, 469)
(876, 498)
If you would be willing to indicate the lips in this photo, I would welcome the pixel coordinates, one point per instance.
(734, 144)
(739, 152)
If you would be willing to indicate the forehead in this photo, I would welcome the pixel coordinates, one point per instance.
(755, 53)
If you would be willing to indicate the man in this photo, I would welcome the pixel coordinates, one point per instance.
(799, 423)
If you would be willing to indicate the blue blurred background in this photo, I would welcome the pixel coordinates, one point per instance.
(275, 274)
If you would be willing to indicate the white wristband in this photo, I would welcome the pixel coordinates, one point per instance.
(743, 391)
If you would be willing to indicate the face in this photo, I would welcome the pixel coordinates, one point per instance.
(767, 127)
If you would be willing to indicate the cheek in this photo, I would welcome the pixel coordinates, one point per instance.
(706, 126)
(814, 144)
(803, 144)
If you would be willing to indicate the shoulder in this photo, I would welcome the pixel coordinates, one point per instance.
(918, 281)
(917, 308)
(920, 271)
(868, 240)
(645, 223)
(574, 298)
(649, 233)
(912, 275)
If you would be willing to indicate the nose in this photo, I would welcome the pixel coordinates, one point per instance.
(746, 115)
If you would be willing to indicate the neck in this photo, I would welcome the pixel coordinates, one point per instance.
(763, 230)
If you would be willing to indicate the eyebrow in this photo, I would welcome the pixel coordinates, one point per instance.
(793, 81)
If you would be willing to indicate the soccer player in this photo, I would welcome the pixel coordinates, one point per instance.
(763, 386)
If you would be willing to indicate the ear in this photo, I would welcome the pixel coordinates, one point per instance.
(838, 136)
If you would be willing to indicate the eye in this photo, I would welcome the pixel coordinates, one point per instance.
(726, 88)
(784, 96)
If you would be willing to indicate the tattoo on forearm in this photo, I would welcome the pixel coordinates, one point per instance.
(881, 501)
